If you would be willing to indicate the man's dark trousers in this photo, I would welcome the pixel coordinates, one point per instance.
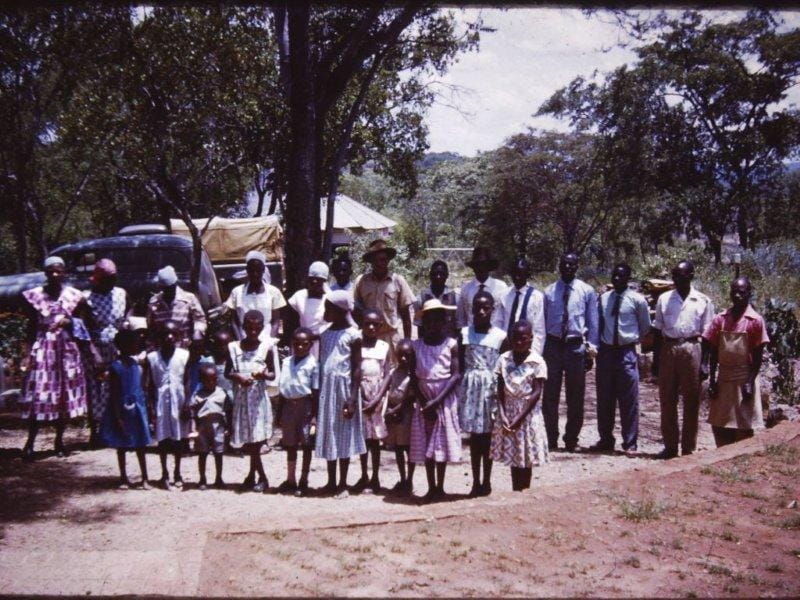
(565, 359)
(618, 382)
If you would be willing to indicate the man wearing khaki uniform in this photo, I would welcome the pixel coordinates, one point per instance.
(679, 360)
(388, 293)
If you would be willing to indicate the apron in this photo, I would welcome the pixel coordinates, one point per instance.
(728, 409)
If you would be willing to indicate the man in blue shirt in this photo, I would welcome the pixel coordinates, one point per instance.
(570, 309)
(624, 321)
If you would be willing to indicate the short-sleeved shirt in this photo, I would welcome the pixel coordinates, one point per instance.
(266, 302)
(518, 379)
(298, 378)
(185, 310)
(213, 403)
(681, 318)
(750, 323)
(388, 296)
(310, 310)
(634, 317)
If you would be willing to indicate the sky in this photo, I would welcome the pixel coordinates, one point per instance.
(532, 53)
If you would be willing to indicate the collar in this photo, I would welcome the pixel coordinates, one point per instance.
(180, 296)
(532, 358)
(446, 290)
(387, 277)
(523, 289)
(692, 295)
(487, 283)
(749, 313)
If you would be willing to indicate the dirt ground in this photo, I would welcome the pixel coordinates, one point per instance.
(718, 523)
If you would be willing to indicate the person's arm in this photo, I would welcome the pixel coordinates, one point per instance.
(748, 387)
(234, 376)
(537, 322)
(501, 401)
(404, 301)
(149, 390)
(455, 377)
(199, 323)
(351, 406)
(278, 310)
(643, 316)
(658, 325)
(115, 389)
(530, 403)
(405, 316)
(592, 320)
(712, 368)
(461, 353)
(374, 402)
(705, 354)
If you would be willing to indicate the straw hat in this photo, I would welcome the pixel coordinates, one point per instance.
(379, 246)
(434, 304)
(481, 255)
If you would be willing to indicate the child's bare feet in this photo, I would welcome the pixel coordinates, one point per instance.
(178, 481)
(328, 489)
(342, 493)
(124, 484)
(202, 485)
(429, 497)
(287, 487)
(361, 484)
(164, 482)
(475, 490)
(219, 484)
(374, 485)
(145, 484)
(399, 487)
(485, 489)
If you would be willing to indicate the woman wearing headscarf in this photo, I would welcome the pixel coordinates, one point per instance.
(257, 293)
(309, 302)
(107, 307)
(55, 386)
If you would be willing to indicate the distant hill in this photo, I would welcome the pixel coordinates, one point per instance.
(434, 158)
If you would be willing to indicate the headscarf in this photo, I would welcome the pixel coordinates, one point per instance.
(53, 260)
(103, 268)
(319, 270)
(167, 276)
(341, 298)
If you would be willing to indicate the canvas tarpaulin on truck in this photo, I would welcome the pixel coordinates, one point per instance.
(228, 240)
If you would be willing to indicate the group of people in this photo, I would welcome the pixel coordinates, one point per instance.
(489, 361)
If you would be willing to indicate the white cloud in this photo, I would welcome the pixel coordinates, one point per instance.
(533, 53)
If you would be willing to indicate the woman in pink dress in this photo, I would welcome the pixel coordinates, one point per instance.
(435, 432)
(55, 387)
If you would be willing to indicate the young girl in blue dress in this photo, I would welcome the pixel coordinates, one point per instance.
(124, 425)
(340, 434)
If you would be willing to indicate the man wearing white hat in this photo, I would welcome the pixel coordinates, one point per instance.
(257, 294)
(309, 303)
(173, 303)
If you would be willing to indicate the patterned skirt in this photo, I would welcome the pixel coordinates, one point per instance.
(252, 415)
(374, 423)
(56, 384)
(439, 439)
(527, 445)
(478, 399)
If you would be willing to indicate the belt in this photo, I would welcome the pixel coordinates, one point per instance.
(617, 347)
(693, 339)
(570, 339)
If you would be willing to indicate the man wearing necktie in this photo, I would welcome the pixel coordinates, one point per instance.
(624, 321)
(570, 309)
(482, 264)
(523, 303)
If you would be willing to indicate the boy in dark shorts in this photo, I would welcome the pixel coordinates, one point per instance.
(210, 403)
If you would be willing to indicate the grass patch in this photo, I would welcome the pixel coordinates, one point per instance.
(278, 534)
(792, 522)
(729, 475)
(775, 568)
(641, 510)
(718, 570)
(677, 544)
(632, 561)
(788, 453)
(753, 495)
(729, 537)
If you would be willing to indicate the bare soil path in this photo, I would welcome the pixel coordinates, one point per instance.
(712, 524)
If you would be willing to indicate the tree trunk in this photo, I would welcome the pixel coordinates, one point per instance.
(21, 236)
(301, 201)
(742, 227)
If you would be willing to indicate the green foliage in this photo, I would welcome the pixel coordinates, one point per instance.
(13, 328)
(784, 346)
(639, 511)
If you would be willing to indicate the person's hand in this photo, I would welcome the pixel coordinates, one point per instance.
(588, 363)
(704, 372)
(102, 375)
(25, 364)
(747, 391)
(504, 424)
(349, 410)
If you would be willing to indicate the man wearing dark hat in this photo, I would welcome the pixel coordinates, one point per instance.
(388, 293)
(482, 263)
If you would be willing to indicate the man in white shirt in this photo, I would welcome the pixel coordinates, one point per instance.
(679, 361)
(482, 264)
(523, 302)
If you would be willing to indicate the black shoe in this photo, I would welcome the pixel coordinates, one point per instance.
(666, 454)
(552, 446)
(571, 447)
(249, 481)
(474, 491)
(485, 490)
(601, 448)
(287, 487)
(27, 454)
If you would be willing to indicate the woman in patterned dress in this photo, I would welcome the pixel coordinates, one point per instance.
(374, 363)
(340, 433)
(55, 387)
(519, 438)
(107, 307)
(435, 432)
(249, 369)
(479, 350)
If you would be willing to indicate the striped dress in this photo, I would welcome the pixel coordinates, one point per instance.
(439, 440)
(337, 437)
